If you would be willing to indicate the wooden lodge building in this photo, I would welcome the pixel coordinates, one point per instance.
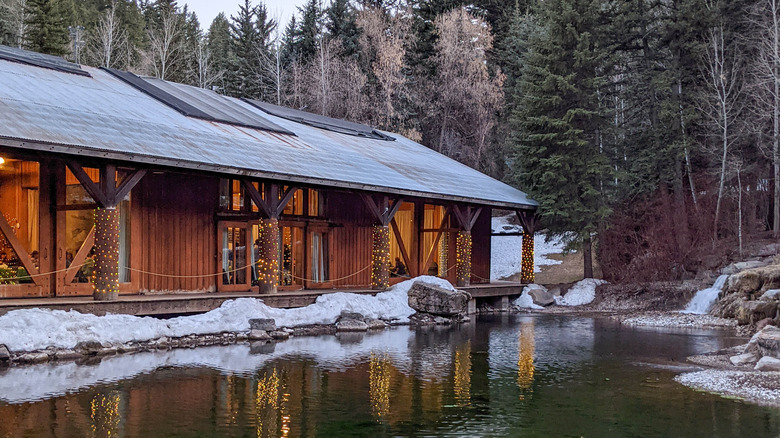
(111, 184)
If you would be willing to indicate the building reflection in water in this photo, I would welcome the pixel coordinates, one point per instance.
(267, 404)
(105, 414)
(379, 385)
(525, 358)
(462, 380)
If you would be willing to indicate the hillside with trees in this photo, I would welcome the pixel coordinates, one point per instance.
(649, 131)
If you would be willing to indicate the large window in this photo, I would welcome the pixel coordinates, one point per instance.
(19, 206)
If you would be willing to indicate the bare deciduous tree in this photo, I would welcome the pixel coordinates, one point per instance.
(464, 96)
(17, 16)
(722, 102)
(108, 41)
(165, 44)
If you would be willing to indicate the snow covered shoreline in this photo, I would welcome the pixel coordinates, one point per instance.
(34, 335)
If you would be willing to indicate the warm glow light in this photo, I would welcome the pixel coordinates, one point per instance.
(2, 160)
(525, 358)
(379, 385)
(527, 259)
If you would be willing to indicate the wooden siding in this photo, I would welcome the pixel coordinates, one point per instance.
(350, 252)
(174, 232)
(480, 251)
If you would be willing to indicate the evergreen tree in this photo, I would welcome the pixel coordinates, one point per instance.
(244, 78)
(47, 27)
(309, 31)
(221, 49)
(341, 25)
(557, 146)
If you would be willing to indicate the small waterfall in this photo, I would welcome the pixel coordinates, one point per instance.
(705, 298)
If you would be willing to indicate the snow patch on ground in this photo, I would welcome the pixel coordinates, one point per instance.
(525, 301)
(506, 251)
(38, 329)
(583, 292)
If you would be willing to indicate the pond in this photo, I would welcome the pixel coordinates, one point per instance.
(505, 375)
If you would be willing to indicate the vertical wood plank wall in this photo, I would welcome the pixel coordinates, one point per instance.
(174, 232)
(480, 250)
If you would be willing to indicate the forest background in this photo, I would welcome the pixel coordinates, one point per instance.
(648, 130)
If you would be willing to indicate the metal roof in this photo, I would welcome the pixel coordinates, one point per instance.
(103, 116)
(318, 121)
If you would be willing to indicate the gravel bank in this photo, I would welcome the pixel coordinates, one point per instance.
(762, 388)
(676, 319)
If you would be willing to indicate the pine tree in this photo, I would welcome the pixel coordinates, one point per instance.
(47, 27)
(244, 78)
(557, 146)
(309, 31)
(221, 49)
(341, 25)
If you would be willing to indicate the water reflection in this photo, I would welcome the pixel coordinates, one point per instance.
(506, 376)
(379, 385)
(105, 414)
(525, 358)
(462, 381)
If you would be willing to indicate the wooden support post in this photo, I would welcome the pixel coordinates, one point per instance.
(527, 260)
(463, 258)
(107, 196)
(106, 281)
(529, 221)
(268, 256)
(380, 258)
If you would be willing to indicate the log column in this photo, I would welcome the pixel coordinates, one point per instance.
(107, 195)
(106, 274)
(268, 255)
(384, 209)
(529, 221)
(467, 217)
(271, 202)
(463, 258)
(380, 258)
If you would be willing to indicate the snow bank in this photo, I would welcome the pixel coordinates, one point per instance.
(37, 329)
(583, 292)
(506, 252)
(525, 301)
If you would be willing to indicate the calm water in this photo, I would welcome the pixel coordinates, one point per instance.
(501, 376)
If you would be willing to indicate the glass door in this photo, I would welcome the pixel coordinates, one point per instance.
(234, 255)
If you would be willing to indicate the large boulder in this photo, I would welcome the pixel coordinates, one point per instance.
(265, 324)
(746, 286)
(751, 312)
(540, 295)
(768, 363)
(765, 343)
(428, 298)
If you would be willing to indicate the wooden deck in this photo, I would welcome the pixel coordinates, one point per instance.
(185, 303)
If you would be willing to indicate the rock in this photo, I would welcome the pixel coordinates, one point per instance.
(771, 294)
(279, 334)
(769, 250)
(88, 348)
(540, 295)
(351, 315)
(5, 355)
(440, 320)
(768, 341)
(374, 324)
(743, 359)
(33, 358)
(741, 266)
(258, 335)
(262, 347)
(438, 301)
(265, 324)
(750, 312)
(351, 325)
(765, 322)
(768, 363)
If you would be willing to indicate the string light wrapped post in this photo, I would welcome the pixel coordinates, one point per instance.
(527, 259)
(380, 257)
(106, 274)
(268, 257)
(463, 258)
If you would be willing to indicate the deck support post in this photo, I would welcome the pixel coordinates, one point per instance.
(463, 258)
(268, 257)
(529, 222)
(380, 258)
(271, 203)
(106, 273)
(108, 192)
(467, 216)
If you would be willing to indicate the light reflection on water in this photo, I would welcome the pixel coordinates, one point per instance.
(503, 376)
